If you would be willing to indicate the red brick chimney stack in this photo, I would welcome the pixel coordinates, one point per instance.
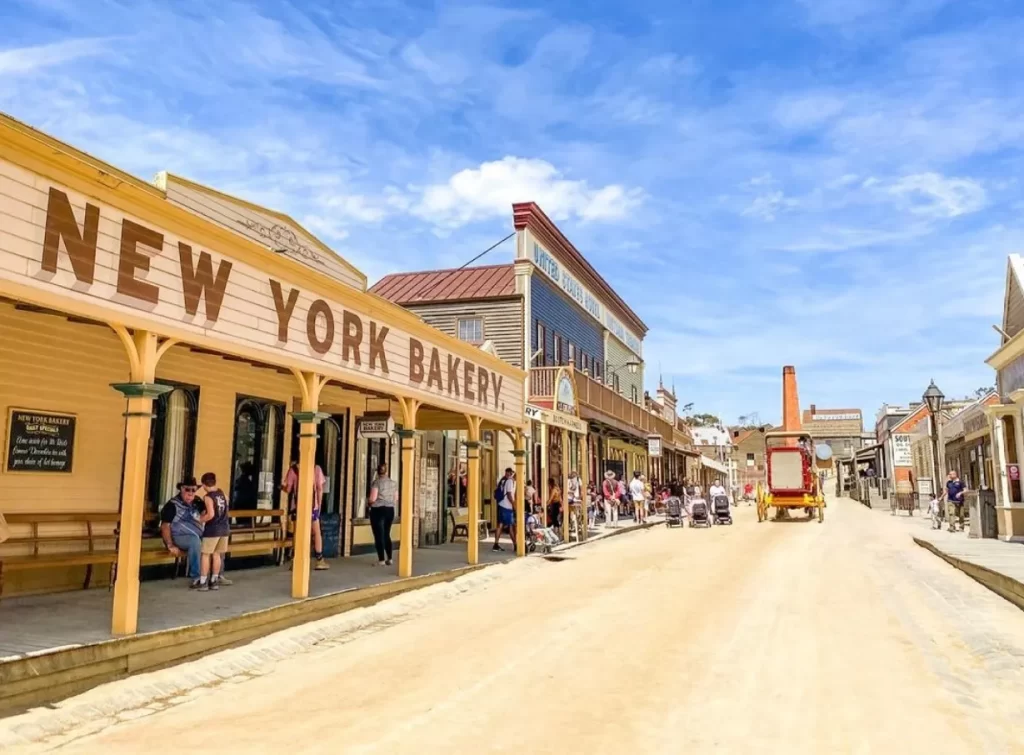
(790, 403)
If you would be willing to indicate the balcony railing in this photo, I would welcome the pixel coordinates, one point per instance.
(601, 398)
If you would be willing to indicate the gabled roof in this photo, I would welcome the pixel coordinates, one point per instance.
(456, 284)
(1013, 297)
(164, 178)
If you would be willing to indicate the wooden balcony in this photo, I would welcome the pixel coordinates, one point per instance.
(599, 402)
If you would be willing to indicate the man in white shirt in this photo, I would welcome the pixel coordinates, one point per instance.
(636, 493)
(717, 490)
(506, 509)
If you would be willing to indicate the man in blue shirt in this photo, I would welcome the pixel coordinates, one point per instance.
(955, 495)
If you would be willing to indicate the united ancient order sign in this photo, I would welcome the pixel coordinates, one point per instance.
(54, 239)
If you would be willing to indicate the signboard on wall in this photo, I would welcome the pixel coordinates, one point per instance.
(206, 286)
(1013, 470)
(39, 441)
(546, 262)
(901, 450)
(654, 445)
(565, 394)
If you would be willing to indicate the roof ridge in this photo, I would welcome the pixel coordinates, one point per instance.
(445, 270)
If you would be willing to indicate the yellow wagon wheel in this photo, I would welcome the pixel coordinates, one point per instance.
(762, 504)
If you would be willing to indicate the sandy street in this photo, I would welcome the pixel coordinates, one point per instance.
(776, 638)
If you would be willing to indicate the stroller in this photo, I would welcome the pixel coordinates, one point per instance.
(544, 538)
(699, 513)
(673, 512)
(721, 507)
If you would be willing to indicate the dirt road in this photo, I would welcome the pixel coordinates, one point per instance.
(779, 637)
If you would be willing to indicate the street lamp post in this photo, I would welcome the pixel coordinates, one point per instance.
(933, 397)
(632, 365)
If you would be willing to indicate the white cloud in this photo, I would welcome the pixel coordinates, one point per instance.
(29, 59)
(488, 191)
(808, 110)
(355, 207)
(768, 206)
(933, 195)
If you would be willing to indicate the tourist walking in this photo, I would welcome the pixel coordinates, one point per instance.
(636, 494)
(610, 496)
(382, 500)
(505, 493)
(291, 489)
(955, 494)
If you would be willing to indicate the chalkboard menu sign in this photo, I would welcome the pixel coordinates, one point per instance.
(40, 441)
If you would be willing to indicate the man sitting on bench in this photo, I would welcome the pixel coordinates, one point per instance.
(181, 529)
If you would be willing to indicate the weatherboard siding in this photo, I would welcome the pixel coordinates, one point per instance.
(560, 316)
(247, 319)
(503, 322)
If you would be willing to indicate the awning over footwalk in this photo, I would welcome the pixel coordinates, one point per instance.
(710, 463)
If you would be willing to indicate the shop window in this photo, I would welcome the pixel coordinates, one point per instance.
(572, 354)
(586, 363)
(542, 345)
(615, 383)
(557, 348)
(258, 453)
(172, 444)
(471, 330)
(635, 394)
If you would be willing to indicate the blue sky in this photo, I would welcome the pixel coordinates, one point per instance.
(833, 184)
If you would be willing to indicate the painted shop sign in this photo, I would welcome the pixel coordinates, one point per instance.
(376, 427)
(57, 240)
(654, 446)
(40, 441)
(902, 455)
(556, 419)
(582, 296)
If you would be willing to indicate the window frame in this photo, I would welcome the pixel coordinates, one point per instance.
(557, 348)
(571, 353)
(458, 329)
(542, 342)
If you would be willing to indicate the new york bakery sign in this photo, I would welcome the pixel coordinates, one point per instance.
(553, 270)
(143, 270)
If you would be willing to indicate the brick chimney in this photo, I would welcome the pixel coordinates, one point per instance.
(790, 403)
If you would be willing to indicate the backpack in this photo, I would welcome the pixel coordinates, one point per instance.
(499, 491)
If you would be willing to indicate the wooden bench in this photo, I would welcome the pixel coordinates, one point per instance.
(461, 529)
(43, 544)
(273, 524)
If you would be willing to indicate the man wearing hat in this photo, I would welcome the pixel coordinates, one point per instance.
(609, 494)
(181, 528)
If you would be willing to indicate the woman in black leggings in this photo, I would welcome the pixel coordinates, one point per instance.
(382, 500)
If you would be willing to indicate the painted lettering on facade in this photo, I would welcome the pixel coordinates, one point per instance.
(582, 296)
(332, 333)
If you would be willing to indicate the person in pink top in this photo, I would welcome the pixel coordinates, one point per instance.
(291, 487)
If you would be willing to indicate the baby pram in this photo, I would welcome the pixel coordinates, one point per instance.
(698, 511)
(722, 513)
(544, 538)
(673, 512)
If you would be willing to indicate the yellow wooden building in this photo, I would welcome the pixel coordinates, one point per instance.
(156, 330)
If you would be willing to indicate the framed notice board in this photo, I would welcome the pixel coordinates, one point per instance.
(39, 441)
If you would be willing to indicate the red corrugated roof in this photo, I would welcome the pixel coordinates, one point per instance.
(486, 282)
